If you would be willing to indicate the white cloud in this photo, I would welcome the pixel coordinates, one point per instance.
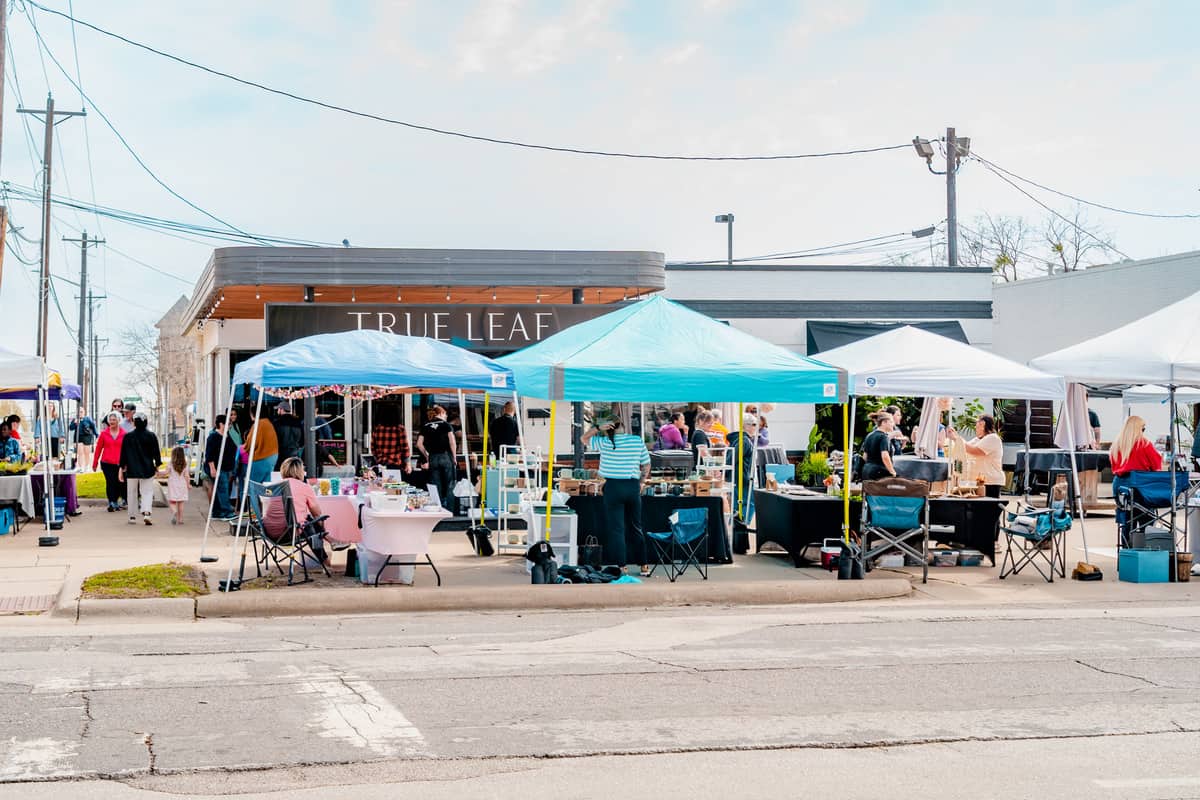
(681, 54)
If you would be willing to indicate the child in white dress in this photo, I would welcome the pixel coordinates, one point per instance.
(177, 484)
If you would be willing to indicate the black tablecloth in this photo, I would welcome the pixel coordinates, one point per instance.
(794, 522)
(922, 469)
(655, 511)
(1046, 459)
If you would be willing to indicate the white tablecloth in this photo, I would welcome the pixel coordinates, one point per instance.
(19, 488)
(404, 534)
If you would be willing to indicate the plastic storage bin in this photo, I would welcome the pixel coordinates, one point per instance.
(1143, 566)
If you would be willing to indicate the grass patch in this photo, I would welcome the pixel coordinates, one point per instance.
(155, 580)
(90, 485)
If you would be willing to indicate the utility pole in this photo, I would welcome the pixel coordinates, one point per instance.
(93, 388)
(84, 304)
(951, 197)
(957, 149)
(48, 119)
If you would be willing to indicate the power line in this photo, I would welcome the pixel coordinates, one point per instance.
(161, 224)
(1085, 231)
(124, 143)
(87, 139)
(444, 131)
(993, 166)
(882, 244)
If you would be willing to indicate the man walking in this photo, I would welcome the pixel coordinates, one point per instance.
(127, 422)
(218, 479)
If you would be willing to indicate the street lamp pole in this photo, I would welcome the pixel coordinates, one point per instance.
(728, 220)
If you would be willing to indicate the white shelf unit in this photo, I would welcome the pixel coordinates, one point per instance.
(564, 531)
(722, 462)
(518, 478)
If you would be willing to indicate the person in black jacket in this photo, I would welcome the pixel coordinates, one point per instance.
(218, 480)
(140, 459)
(505, 432)
(289, 430)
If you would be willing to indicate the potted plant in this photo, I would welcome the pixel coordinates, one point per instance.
(813, 470)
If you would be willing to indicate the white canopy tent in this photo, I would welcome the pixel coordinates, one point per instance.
(1162, 348)
(1154, 393)
(19, 370)
(912, 362)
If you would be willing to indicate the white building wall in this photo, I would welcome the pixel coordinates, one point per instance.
(1040, 315)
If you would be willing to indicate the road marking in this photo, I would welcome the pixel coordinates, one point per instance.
(353, 711)
(27, 759)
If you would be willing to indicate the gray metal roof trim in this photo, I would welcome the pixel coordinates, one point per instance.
(373, 266)
(843, 309)
(743, 268)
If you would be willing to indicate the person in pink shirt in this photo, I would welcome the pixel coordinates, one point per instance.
(304, 507)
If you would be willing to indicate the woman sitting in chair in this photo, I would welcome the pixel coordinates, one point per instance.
(304, 507)
(1132, 451)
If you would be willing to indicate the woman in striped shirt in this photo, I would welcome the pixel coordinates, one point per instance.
(624, 465)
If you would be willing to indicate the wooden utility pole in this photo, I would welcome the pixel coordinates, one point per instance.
(47, 115)
(84, 303)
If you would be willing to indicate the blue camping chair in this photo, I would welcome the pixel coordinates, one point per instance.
(685, 545)
(1144, 499)
(895, 512)
(1037, 537)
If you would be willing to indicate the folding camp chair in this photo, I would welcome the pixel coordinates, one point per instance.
(1144, 499)
(294, 546)
(685, 545)
(896, 511)
(1035, 536)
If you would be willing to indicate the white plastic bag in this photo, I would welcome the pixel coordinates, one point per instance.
(464, 489)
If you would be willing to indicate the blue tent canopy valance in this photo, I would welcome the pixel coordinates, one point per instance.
(659, 351)
(373, 358)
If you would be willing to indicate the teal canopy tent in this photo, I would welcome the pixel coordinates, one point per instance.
(659, 351)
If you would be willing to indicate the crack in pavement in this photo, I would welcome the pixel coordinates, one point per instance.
(1121, 674)
(88, 719)
(1161, 625)
(148, 740)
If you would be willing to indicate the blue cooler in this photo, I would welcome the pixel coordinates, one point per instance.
(60, 513)
(1144, 566)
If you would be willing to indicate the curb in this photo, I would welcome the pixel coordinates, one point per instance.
(326, 601)
(155, 608)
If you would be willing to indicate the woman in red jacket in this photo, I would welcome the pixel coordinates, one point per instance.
(108, 456)
(1132, 451)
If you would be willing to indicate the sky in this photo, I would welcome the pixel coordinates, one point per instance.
(1093, 98)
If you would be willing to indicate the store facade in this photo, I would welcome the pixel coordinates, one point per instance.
(494, 302)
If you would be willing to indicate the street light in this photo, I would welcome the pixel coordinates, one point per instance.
(958, 148)
(728, 220)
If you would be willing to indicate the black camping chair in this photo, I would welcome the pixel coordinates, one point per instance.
(294, 545)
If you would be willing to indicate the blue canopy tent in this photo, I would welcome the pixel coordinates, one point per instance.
(350, 362)
(68, 391)
(656, 350)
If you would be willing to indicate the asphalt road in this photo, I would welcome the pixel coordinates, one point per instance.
(896, 698)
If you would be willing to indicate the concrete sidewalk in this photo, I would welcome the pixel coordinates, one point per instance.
(34, 579)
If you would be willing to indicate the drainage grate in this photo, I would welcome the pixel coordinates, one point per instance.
(24, 604)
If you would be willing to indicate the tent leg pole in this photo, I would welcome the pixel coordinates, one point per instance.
(245, 488)
(848, 459)
(1078, 489)
(1028, 424)
(466, 454)
(484, 467)
(204, 558)
(550, 466)
(741, 445)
